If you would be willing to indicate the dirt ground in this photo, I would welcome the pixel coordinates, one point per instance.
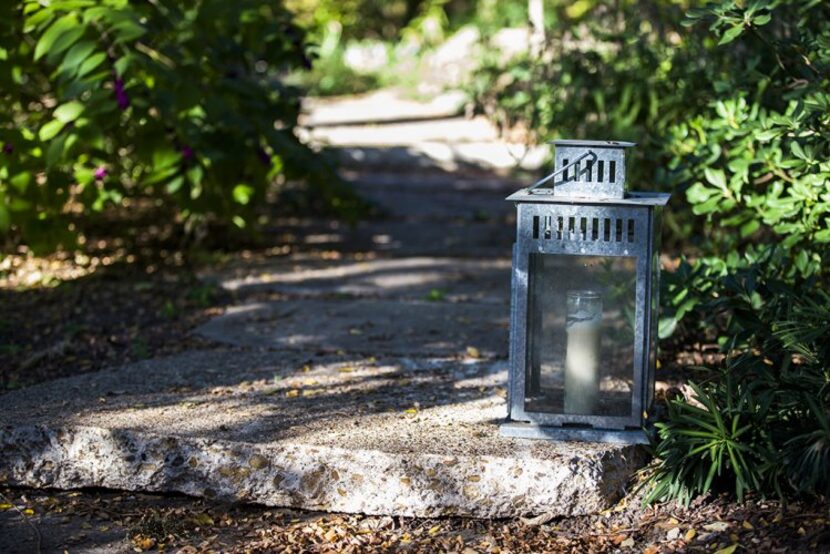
(106, 521)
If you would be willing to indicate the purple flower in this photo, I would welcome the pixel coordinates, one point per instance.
(100, 172)
(8, 148)
(187, 152)
(121, 95)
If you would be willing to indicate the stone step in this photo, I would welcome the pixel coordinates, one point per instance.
(382, 106)
(452, 130)
(494, 156)
(346, 434)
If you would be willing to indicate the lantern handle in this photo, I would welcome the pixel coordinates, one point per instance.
(544, 180)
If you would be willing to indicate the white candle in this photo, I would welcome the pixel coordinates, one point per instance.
(583, 352)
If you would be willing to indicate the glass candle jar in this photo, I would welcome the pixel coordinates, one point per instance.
(582, 356)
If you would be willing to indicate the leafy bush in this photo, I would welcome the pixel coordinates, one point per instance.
(360, 19)
(759, 158)
(731, 107)
(179, 103)
(330, 75)
(760, 422)
(735, 116)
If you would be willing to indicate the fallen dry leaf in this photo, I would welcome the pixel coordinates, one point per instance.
(717, 526)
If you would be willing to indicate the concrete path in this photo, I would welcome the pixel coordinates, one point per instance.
(385, 129)
(365, 372)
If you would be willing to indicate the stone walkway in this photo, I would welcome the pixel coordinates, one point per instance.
(385, 129)
(364, 373)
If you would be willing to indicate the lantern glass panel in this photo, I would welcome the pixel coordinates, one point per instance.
(581, 336)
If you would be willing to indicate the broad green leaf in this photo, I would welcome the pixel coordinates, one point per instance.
(84, 175)
(666, 327)
(195, 175)
(49, 130)
(731, 34)
(699, 193)
(63, 25)
(66, 40)
(21, 181)
(121, 64)
(75, 56)
(91, 63)
(165, 157)
(55, 151)
(68, 112)
(127, 30)
(749, 227)
(175, 184)
(822, 236)
(797, 151)
(716, 177)
(760, 20)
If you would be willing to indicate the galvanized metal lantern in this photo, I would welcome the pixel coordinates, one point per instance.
(584, 300)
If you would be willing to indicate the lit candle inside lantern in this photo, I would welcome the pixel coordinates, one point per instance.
(584, 318)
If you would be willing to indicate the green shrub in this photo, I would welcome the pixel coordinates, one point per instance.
(731, 108)
(180, 103)
(760, 421)
(734, 117)
(330, 75)
(359, 19)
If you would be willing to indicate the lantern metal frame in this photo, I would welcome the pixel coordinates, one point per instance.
(585, 218)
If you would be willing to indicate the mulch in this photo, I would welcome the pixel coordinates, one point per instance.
(75, 521)
(53, 326)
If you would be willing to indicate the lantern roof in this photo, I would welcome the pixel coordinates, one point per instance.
(630, 199)
(588, 171)
(593, 143)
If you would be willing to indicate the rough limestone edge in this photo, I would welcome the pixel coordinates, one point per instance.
(313, 477)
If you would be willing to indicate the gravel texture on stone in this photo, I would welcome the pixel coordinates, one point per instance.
(400, 436)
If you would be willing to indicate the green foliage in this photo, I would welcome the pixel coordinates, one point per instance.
(757, 162)
(359, 19)
(330, 75)
(734, 116)
(173, 103)
(350, 59)
(731, 107)
(761, 421)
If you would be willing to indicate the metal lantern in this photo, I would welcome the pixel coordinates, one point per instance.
(584, 300)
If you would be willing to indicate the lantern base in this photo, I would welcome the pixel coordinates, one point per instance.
(523, 430)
